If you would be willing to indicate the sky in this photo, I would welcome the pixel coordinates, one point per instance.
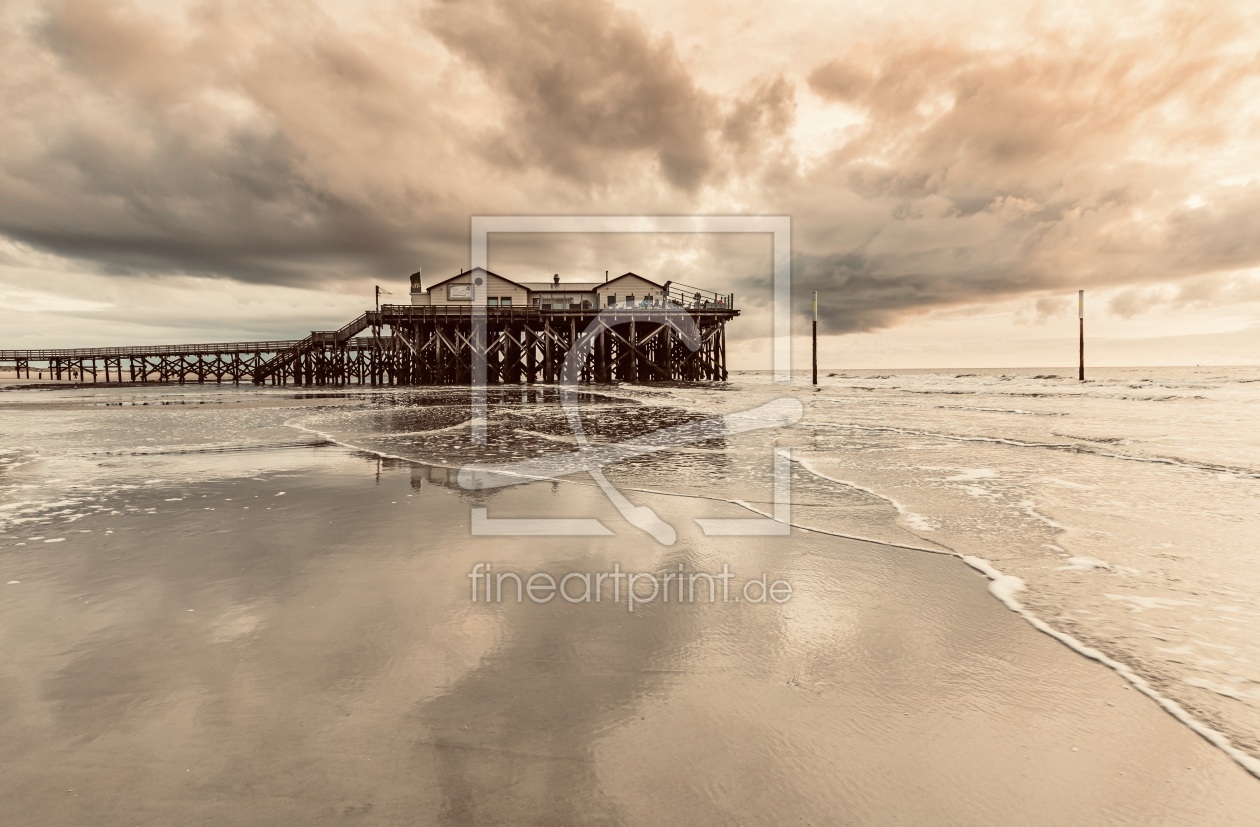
(954, 172)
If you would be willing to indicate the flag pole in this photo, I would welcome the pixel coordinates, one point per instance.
(1080, 296)
(815, 349)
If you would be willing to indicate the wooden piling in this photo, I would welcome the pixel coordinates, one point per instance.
(815, 338)
(1081, 319)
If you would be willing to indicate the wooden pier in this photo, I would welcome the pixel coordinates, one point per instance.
(426, 345)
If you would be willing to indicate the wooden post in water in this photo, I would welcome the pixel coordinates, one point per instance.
(1081, 318)
(815, 338)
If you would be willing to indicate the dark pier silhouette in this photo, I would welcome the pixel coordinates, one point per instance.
(427, 345)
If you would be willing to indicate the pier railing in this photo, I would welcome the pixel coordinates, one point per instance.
(697, 298)
(148, 350)
(712, 303)
(346, 331)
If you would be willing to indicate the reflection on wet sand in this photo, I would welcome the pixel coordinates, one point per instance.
(513, 741)
(300, 646)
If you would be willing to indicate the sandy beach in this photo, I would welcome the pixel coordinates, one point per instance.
(301, 646)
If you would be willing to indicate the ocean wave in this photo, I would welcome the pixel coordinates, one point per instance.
(1007, 588)
(1073, 447)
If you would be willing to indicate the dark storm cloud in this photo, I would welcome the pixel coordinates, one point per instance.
(217, 147)
(756, 121)
(859, 293)
(584, 87)
(1220, 235)
(274, 144)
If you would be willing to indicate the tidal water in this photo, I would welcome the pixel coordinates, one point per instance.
(1126, 506)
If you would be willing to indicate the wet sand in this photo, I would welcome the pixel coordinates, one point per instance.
(315, 657)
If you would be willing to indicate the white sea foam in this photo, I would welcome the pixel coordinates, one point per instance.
(969, 474)
(913, 520)
(1086, 564)
(1006, 593)
(1006, 588)
(1139, 603)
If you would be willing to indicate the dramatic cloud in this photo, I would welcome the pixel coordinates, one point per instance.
(260, 147)
(584, 87)
(1061, 159)
(1205, 291)
(985, 154)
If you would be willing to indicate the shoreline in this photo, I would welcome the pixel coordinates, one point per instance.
(1004, 588)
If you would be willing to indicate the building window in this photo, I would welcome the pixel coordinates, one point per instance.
(505, 301)
(491, 301)
(612, 299)
(630, 300)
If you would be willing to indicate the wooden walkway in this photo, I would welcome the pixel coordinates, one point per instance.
(420, 345)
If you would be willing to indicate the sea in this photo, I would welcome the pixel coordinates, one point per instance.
(1120, 515)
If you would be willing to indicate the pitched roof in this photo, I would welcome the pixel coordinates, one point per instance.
(548, 286)
(637, 276)
(562, 287)
(466, 272)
